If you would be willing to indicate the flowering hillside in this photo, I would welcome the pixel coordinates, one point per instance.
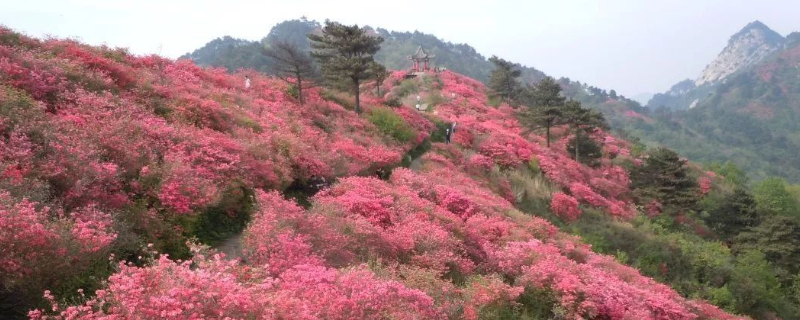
(97, 145)
(111, 162)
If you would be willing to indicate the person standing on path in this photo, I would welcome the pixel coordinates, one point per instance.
(447, 136)
(453, 127)
(246, 82)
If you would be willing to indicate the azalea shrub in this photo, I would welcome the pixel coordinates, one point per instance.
(218, 289)
(565, 206)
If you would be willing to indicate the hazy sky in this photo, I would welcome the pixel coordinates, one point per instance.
(632, 46)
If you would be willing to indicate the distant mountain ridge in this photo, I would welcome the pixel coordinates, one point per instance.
(232, 53)
(462, 58)
(744, 107)
(751, 45)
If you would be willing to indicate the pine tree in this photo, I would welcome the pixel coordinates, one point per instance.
(503, 80)
(291, 65)
(665, 177)
(773, 196)
(583, 121)
(777, 238)
(380, 74)
(345, 54)
(589, 149)
(545, 104)
(736, 213)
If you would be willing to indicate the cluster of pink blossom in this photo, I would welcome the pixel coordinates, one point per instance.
(635, 115)
(480, 162)
(33, 244)
(92, 229)
(592, 286)
(565, 206)
(614, 146)
(586, 194)
(218, 289)
(653, 208)
(26, 238)
(23, 69)
(507, 150)
(705, 184)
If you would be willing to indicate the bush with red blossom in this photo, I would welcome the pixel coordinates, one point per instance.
(705, 185)
(218, 289)
(586, 194)
(480, 162)
(565, 206)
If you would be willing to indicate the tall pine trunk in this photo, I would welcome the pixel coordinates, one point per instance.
(577, 143)
(300, 88)
(548, 134)
(357, 91)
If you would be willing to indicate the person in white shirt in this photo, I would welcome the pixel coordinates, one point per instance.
(246, 82)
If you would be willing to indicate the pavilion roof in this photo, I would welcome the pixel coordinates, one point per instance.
(421, 54)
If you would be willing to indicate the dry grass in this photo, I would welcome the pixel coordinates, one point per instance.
(529, 185)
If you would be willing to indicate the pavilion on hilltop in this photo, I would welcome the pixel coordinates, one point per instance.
(421, 57)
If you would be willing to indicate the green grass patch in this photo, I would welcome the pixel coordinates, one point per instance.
(391, 124)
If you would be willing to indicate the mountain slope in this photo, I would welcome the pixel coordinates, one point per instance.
(395, 52)
(104, 152)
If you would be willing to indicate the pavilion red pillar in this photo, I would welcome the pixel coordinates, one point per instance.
(426, 65)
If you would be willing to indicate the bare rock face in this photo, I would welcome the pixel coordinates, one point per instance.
(749, 46)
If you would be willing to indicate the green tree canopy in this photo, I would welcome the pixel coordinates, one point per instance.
(345, 54)
(773, 196)
(545, 104)
(736, 213)
(583, 121)
(585, 150)
(753, 284)
(379, 73)
(731, 172)
(503, 81)
(665, 177)
(291, 65)
(777, 237)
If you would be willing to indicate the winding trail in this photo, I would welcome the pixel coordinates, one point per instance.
(416, 164)
(231, 247)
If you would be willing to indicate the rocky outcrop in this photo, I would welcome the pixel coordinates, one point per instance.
(747, 47)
